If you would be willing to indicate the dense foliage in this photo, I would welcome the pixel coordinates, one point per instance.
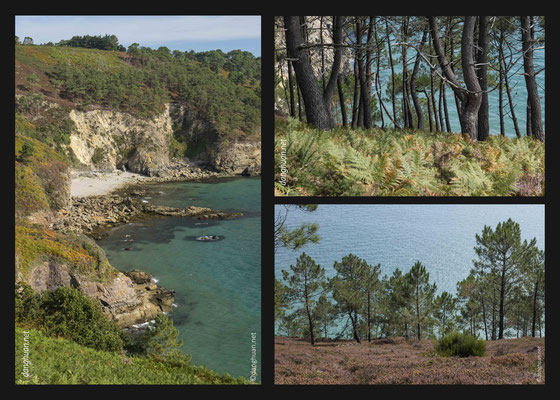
(66, 312)
(106, 42)
(65, 321)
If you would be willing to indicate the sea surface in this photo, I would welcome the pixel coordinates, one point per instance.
(217, 284)
(441, 237)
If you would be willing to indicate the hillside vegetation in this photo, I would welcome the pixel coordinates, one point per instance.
(400, 361)
(142, 80)
(376, 162)
(60, 361)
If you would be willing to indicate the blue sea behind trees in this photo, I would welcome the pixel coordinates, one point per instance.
(516, 82)
(441, 237)
(217, 284)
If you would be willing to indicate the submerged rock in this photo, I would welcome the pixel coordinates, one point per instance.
(210, 238)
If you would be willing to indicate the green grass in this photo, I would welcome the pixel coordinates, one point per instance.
(379, 162)
(60, 361)
(45, 57)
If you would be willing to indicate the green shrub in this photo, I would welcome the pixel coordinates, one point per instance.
(98, 154)
(66, 312)
(27, 305)
(460, 345)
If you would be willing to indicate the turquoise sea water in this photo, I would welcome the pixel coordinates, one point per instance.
(217, 284)
(441, 237)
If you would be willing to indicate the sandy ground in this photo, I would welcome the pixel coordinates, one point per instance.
(93, 183)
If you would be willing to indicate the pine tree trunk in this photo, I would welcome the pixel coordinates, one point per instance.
(392, 74)
(482, 74)
(291, 84)
(342, 102)
(355, 101)
(365, 91)
(316, 108)
(511, 105)
(474, 95)
(414, 95)
(530, 80)
(434, 103)
(500, 84)
(502, 300)
(533, 326)
(429, 111)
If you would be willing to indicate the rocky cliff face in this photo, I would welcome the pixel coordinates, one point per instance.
(109, 140)
(128, 298)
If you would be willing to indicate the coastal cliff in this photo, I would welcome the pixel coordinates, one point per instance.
(108, 140)
(82, 111)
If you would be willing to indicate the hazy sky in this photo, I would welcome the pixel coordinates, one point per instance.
(197, 33)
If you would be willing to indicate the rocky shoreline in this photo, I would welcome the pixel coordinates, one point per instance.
(92, 215)
(132, 297)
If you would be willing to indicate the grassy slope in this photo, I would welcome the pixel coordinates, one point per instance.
(59, 361)
(404, 163)
(396, 361)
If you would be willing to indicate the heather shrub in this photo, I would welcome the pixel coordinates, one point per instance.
(460, 345)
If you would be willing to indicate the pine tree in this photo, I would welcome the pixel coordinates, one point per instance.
(305, 283)
(422, 296)
(501, 256)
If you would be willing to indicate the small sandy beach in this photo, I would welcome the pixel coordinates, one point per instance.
(97, 183)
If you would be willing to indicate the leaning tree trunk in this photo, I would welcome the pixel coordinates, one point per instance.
(530, 80)
(505, 73)
(433, 98)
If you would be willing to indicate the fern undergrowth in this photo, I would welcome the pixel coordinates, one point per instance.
(376, 162)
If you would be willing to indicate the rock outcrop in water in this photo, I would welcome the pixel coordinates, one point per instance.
(90, 214)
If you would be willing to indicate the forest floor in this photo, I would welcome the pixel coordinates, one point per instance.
(398, 361)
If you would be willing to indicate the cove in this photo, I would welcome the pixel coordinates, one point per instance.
(217, 283)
